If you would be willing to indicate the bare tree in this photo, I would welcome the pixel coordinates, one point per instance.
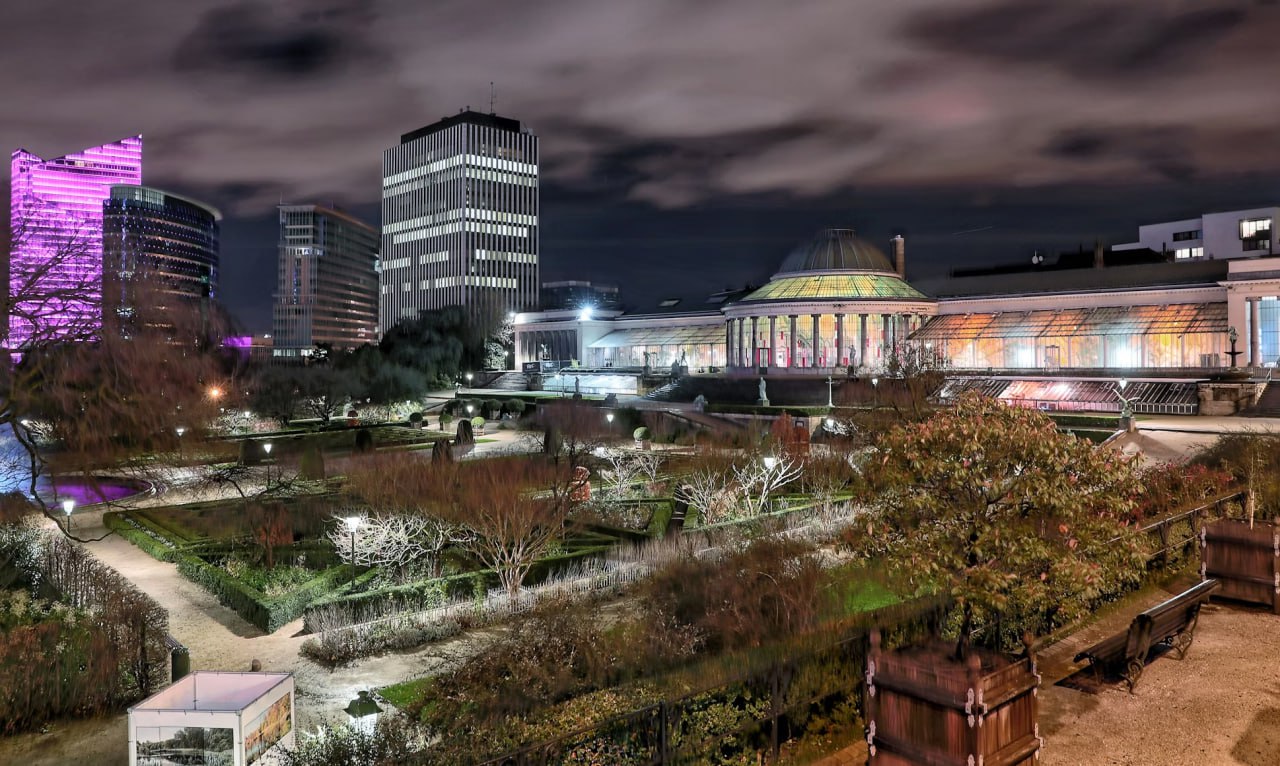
(715, 494)
(94, 390)
(761, 477)
(394, 541)
(624, 470)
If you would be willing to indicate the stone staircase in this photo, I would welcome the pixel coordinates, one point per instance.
(509, 381)
(1268, 405)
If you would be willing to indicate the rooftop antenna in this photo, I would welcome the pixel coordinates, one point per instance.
(493, 98)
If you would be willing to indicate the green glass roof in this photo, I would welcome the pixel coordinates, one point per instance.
(835, 287)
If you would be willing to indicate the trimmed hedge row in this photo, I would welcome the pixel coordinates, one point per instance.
(267, 614)
(428, 594)
(135, 531)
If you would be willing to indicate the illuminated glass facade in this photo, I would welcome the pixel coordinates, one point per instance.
(160, 242)
(1175, 335)
(460, 219)
(55, 267)
(327, 282)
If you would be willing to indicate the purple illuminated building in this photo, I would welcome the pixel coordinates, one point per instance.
(55, 267)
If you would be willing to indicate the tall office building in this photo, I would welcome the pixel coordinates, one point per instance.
(55, 263)
(460, 219)
(328, 282)
(157, 246)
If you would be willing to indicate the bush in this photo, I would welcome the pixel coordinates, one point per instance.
(640, 434)
(311, 466)
(489, 408)
(267, 614)
(364, 440)
(415, 419)
(155, 545)
(477, 422)
(514, 407)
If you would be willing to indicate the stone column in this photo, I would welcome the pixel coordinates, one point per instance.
(773, 341)
(816, 342)
(1255, 332)
(755, 341)
(791, 359)
(839, 340)
(739, 356)
(862, 340)
(886, 339)
(728, 342)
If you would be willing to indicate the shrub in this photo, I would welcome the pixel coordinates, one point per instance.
(311, 466)
(415, 419)
(364, 440)
(152, 543)
(445, 419)
(640, 434)
(477, 422)
(489, 408)
(267, 614)
(515, 407)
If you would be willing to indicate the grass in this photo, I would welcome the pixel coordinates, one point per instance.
(404, 693)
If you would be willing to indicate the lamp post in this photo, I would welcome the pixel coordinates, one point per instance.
(364, 713)
(180, 431)
(469, 376)
(875, 386)
(68, 506)
(609, 419)
(215, 392)
(829, 384)
(266, 447)
(353, 524)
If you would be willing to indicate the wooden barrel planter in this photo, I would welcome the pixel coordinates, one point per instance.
(1245, 560)
(925, 708)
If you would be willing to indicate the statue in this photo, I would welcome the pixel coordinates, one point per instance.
(1233, 336)
(699, 403)
(763, 401)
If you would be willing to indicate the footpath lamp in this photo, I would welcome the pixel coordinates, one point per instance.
(469, 380)
(364, 713)
(608, 418)
(353, 524)
(875, 386)
(830, 403)
(68, 506)
(266, 447)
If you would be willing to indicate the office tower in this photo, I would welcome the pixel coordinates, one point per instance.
(157, 246)
(460, 219)
(327, 290)
(55, 264)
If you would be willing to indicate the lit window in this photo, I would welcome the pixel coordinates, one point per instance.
(1254, 228)
(1185, 253)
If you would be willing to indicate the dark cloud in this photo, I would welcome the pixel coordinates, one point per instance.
(701, 136)
(277, 39)
(1085, 38)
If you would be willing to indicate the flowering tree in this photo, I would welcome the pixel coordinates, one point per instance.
(994, 506)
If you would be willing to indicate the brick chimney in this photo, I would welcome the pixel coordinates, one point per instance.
(899, 255)
(1098, 261)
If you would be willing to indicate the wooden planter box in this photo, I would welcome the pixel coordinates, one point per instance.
(925, 709)
(1246, 561)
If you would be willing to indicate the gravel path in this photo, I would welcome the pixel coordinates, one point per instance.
(1221, 705)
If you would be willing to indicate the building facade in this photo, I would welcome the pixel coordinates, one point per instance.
(55, 265)
(579, 294)
(158, 245)
(1213, 236)
(460, 219)
(327, 288)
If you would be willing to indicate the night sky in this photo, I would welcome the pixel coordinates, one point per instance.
(685, 145)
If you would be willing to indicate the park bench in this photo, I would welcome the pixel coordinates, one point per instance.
(1172, 622)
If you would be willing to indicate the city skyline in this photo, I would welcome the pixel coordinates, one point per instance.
(982, 132)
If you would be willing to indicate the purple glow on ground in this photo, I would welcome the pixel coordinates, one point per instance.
(238, 341)
(56, 213)
(87, 492)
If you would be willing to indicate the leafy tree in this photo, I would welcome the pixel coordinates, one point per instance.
(993, 505)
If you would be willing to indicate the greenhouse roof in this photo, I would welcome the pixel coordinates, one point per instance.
(1177, 319)
(834, 287)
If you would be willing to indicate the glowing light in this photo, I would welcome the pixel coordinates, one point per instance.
(181, 430)
(57, 205)
(68, 506)
(266, 447)
(215, 392)
(770, 462)
(352, 522)
(585, 314)
(609, 417)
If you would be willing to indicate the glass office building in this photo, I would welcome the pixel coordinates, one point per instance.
(327, 282)
(160, 244)
(55, 265)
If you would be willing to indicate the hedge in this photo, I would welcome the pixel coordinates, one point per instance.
(267, 614)
(152, 543)
(438, 591)
(752, 409)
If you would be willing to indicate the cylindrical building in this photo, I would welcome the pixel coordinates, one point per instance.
(159, 243)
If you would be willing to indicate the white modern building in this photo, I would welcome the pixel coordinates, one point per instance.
(1213, 236)
(460, 219)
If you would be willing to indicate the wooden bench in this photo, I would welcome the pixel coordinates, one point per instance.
(1172, 622)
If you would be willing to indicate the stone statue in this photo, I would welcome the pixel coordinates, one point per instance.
(699, 403)
(763, 401)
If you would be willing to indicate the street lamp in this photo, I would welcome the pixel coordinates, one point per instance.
(180, 431)
(769, 462)
(364, 713)
(609, 417)
(1122, 383)
(215, 392)
(875, 386)
(469, 380)
(829, 384)
(470, 409)
(68, 506)
(353, 524)
(266, 447)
